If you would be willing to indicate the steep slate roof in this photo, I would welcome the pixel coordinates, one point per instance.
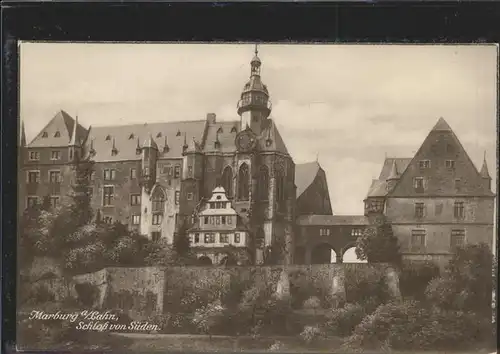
(442, 144)
(305, 174)
(271, 132)
(126, 137)
(222, 131)
(63, 123)
(378, 188)
(332, 220)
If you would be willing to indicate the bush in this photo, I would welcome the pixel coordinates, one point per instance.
(38, 294)
(409, 326)
(87, 294)
(311, 333)
(415, 277)
(312, 303)
(366, 285)
(342, 321)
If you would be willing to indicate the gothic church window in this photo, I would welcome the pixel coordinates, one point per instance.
(243, 182)
(227, 180)
(263, 184)
(158, 200)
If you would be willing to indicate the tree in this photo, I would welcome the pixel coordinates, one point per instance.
(181, 241)
(466, 283)
(377, 244)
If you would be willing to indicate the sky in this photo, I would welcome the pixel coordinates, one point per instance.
(349, 106)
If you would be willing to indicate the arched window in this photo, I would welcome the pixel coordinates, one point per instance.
(280, 186)
(158, 200)
(243, 182)
(263, 183)
(227, 181)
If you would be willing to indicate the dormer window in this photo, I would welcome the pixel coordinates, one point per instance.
(159, 135)
(233, 130)
(219, 131)
(57, 134)
(131, 136)
(108, 137)
(45, 135)
(178, 133)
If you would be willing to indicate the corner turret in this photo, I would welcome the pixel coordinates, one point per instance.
(485, 174)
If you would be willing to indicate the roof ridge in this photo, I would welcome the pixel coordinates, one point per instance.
(147, 123)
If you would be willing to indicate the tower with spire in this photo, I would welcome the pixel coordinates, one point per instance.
(254, 106)
(149, 157)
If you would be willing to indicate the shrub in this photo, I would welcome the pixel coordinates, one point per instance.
(312, 303)
(415, 277)
(277, 346)
(366, 284)
(39, 294)
(311, 333)
(210, 318)
(342, 321)
(87, 294)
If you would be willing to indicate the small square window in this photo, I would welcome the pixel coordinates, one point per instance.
(224, 238)
(31, 201)
(457, 238)
(190, 196)
(419, 210)
(424, 164)
(177, 171)
(34, 155)
(237, 238)
(54, 202)
(205, 219)
(196, 238)
(107, 220)
(136, 219)
(418, 184)
(450, 164)
(33, 176)
(55, 155)
(133, 173)
(135, 199)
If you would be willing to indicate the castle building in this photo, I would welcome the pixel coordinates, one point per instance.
(157, 177)
(436, 200)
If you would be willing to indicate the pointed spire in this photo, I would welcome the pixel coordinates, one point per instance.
(394, 171)
(23, 135)
(441, 125)
(484, 169)
(73, 141)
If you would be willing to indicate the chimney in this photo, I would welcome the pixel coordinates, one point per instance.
(211, 118)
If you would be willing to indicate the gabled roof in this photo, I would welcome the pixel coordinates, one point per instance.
(305, 174)
(225, 133)
(270, 139)
(58, 132)
(441, 125)
(332, 220)
(397, 165)
(126, 137)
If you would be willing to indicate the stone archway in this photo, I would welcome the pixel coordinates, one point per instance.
(349, 256)
(204, 260)
(323, 254)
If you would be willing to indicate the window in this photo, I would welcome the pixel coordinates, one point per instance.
(108, 195)
(458, 210)
(424, 164)
(55, 155)
(34, 155)
(54, 202)
(178, 133)
(263, 183)
(229, 220)
(107, 220)
(190, 196)
(145, 171)
(136, 219)
(223, 220)
(167, 170)
(450, 164)
(324, 232)
(131, 136)
(376, 205)
(57, 134)
(209, 238)
(190, 171)
(418, 184)
(135, 199)
(196, 238)
(55, 176)
(177, 196)
(217, 220)
(457, 238)
(45, 135)
(157, 218)
(133, 173)
(418, 238)
(233, 130)
(177, 171)
(109, 174)
(458, 184)
(155, 236)
(108, 137)
(205, 220)
(224, 238)
(243, 182)
(31, 202)
(419, 210)
(158, 200)
(439, 209)
(237, 238)
(33, 176)
(356, 232)
(92, 176)
(158, 135)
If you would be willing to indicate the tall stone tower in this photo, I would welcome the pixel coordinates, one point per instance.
(254, 106)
